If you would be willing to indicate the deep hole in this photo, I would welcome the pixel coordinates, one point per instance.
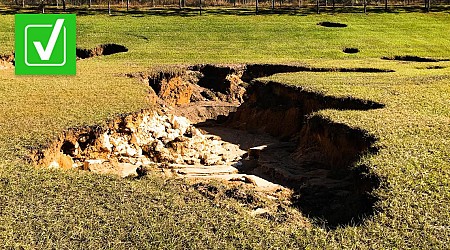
(109, 49)
(332, 25)
(346, 203)
(68, 148)
(351, 50)
(320, 171)
(260, 134)
(213, 74)
(86, 139)
(83, 53)
(100, 50)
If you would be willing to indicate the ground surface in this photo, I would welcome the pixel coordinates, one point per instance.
(42, 208)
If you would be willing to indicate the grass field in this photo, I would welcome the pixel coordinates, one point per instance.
(42, 208)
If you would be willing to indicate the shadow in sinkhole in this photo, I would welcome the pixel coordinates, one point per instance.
(313, 156)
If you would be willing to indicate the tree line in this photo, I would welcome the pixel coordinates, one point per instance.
(258, 4)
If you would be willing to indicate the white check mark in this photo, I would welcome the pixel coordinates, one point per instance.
(45, 54)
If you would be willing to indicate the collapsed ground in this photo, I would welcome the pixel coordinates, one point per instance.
(7, 61)
(256, 134)
(237, 138)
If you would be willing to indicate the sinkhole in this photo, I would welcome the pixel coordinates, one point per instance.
(350, 50)
(100, 50)
(332, 24)
(220, 122)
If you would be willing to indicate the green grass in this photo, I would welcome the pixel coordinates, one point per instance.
(273, 38)
(42, 209)
(413, 131)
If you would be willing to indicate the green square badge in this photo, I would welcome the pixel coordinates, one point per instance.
(45, 44)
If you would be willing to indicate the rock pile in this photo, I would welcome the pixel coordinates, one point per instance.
(147, 139)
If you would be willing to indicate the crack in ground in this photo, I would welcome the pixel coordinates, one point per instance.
(412, 58)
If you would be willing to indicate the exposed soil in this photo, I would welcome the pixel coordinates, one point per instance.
(214, 122)
(413, 58)
(351, 50)
(332, 25)
(101, 50)
(7, 61)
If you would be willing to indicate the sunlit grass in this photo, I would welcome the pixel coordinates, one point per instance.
(44, 209)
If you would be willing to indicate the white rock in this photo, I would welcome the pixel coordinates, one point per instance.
(133, 160)
(255, 152)
(159, 146)
(116, 140)
(120, 149)
(127, 169)
(180, 123)
(196, 133)
(53, 164)
(168, 125)
(159, 131)
(213, 160)
(130, 151)
(87, 163)
(139, 152)
(259, 211)
(215, 143)
(143, 161)
(105, 142)
(179, 159)
(201, 147)
(144, 137)
(173, 133)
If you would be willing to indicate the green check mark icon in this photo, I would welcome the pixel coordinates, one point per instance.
(45, 54)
